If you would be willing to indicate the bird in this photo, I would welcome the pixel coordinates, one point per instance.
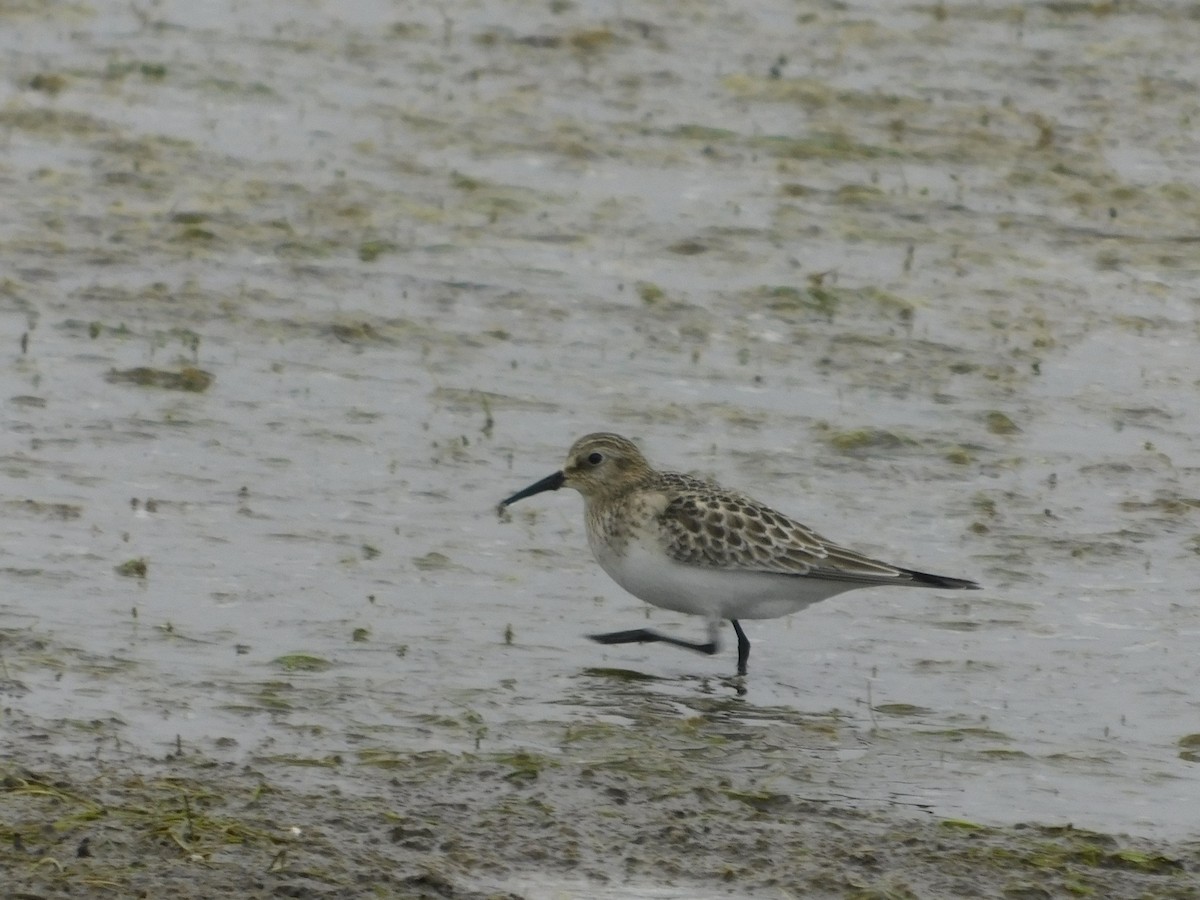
(688, 545)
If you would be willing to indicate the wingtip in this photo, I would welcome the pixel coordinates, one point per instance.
(945, 582)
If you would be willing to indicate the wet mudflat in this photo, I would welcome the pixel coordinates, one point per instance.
(293, 296)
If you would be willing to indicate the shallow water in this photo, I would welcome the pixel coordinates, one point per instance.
(421, 250)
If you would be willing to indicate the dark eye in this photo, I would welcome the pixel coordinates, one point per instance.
(595, 459)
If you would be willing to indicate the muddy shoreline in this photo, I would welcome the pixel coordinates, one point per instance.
(660, 805)
(517, 825)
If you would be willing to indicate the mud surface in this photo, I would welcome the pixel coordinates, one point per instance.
(601, 823)
(293, 294)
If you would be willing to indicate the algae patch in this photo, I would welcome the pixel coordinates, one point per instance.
(301, 662)
(188, 378)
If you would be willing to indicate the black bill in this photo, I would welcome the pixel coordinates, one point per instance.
(549, 483)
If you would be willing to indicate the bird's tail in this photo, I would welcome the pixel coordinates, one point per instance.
(943, 582)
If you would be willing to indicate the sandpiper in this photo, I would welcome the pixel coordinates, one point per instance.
(687, 545)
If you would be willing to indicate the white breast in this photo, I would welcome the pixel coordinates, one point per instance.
(713, 593)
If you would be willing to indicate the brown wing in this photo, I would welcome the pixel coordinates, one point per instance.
(708, 526)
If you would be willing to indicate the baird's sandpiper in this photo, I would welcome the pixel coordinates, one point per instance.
(684, 544)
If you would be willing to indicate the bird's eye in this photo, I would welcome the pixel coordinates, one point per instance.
(594, 459)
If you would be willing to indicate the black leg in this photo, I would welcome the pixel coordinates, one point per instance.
(646, 636)
(743, 646)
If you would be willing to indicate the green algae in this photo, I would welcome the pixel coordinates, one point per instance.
(867, 441)
(133, 568)
(999, 423)
(188, 378)
(301, 662)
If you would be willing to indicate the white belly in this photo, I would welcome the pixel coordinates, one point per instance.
(712, 593)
